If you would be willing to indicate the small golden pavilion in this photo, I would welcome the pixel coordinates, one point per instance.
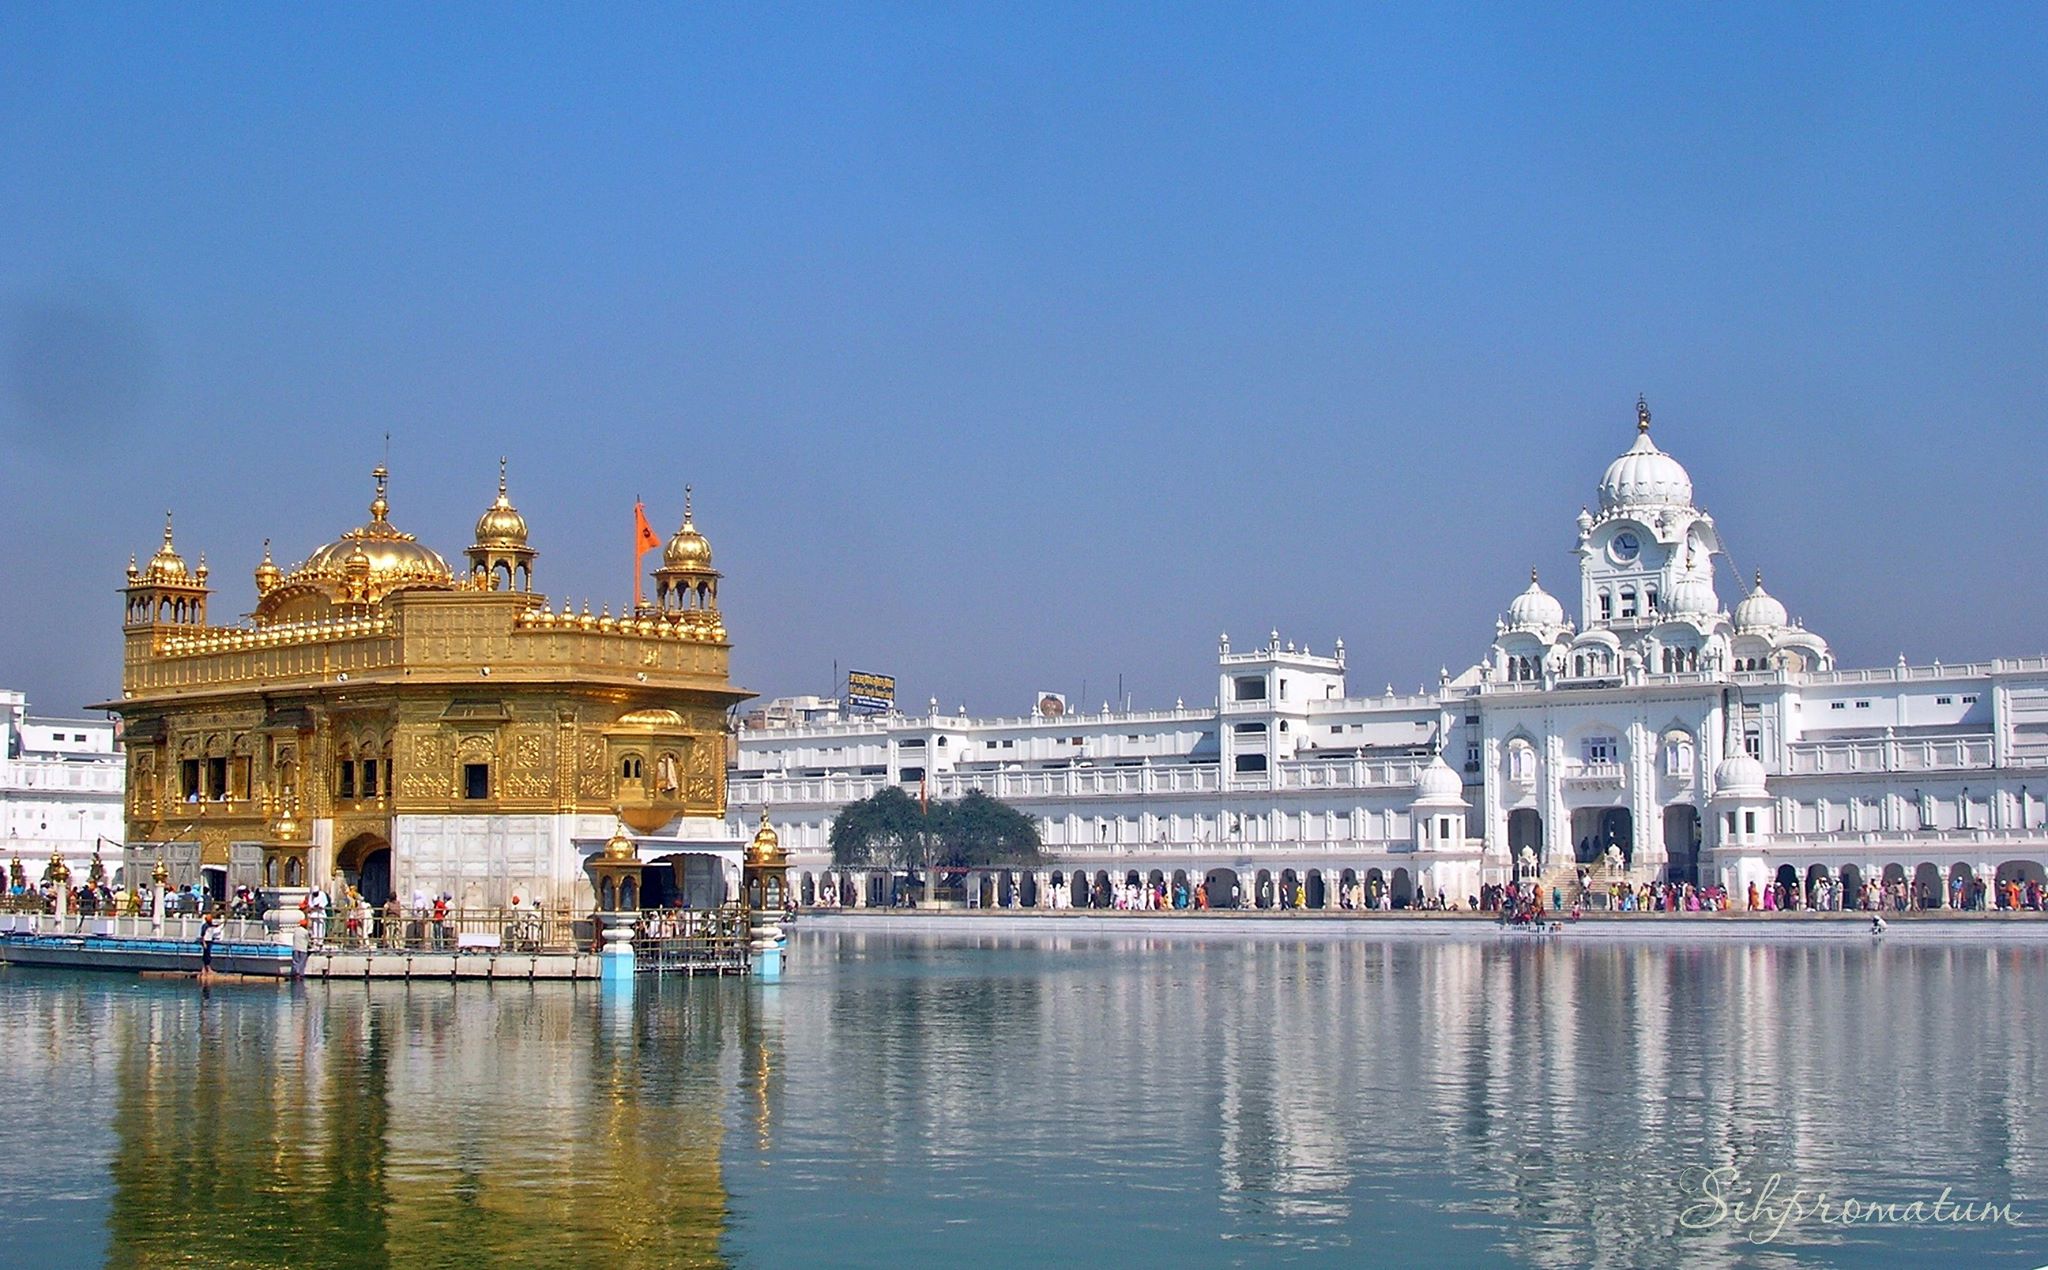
(387, 722)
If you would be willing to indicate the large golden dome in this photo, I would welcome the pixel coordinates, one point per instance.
(501, 525)
(688, 549)
(395, 560)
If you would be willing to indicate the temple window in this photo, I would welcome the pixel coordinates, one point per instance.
(188, 779)
(217, 779)
(1628, 602)
(1606, 606)
(476, 780)
(345, 779)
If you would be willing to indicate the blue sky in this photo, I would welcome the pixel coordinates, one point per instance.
(1022, 348)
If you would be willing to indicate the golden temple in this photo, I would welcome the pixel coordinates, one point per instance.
(389, 722)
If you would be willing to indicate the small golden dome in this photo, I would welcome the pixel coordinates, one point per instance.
(688, 549)
(501, 525)
(620, 846)
(268, 575)
(657, 717)
(766, 848)
(166, 565)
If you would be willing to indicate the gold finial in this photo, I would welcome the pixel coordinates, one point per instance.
(380, 505)
(167, 529)
(686, 503)
(501, 477)
(1642, 414)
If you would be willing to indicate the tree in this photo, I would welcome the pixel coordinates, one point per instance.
(979, 832)
(882, 829)
(889, 829)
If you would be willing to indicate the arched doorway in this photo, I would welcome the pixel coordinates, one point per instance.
(1927, 886)
(1816, 887)
(1375, 887)
(1262, 889)
(1104, 897)
(1682, 843)
(1318, 893)
(1403, 888)
(1617, 829)
(1787, 884)
(1525, 829)
(1219, 887)
(1290, 884)
(365, 864)
(1959, 888)
(2027, 875)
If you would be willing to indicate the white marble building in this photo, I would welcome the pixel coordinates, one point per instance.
(1698, 740)
(60, 789)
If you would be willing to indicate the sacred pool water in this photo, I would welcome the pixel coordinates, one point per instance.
(903, 1101)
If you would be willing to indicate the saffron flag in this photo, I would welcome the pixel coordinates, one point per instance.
(644, 541)
(924, 795)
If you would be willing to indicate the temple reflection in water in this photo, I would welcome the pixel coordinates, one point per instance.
(395, 1127)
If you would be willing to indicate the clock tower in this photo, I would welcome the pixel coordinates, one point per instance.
(1648, 553)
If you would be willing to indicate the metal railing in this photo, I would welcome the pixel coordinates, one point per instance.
(691, 941)
(459, 930)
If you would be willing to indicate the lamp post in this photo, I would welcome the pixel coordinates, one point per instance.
(58, 874)
(616, 876)
(765, 887)
(161, 878)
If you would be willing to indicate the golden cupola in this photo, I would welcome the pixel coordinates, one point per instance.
(500, 560)
(166, 566)
(688, 549)
(686, 579)
(165, 591)
(268, 575)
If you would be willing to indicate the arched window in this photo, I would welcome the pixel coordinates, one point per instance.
(1628, 602)
(1678, 755)
(1606, 606)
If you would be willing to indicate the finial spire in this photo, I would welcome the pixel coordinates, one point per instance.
(687, 490)
(1642, 414)
(1759, 579)
(381, 474)
(167, 529)
(1532, 575)
(501, 476)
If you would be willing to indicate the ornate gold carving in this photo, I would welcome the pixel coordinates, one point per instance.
(595, 781)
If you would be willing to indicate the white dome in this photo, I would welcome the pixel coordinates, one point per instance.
(1760, 610)
(1645, 476)
(1739, 776)
(1692, 597)
(1535, 607)
(1439, 784)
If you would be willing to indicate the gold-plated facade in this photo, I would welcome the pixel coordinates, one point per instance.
(374, 684)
